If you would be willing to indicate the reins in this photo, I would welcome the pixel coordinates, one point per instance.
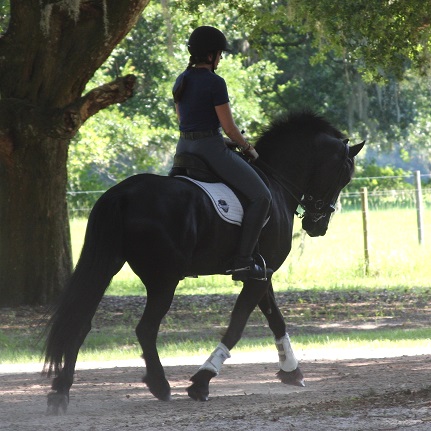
(283, 182)
(306, 200)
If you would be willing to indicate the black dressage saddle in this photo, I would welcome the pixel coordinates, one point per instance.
(190, 165)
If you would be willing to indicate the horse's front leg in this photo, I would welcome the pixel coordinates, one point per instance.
(289, 367)
(250, 295)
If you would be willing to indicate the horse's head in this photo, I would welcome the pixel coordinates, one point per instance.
(308, 157)
(331, 174)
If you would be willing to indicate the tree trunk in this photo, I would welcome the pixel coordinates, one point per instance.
(47, 56)
(35, 256)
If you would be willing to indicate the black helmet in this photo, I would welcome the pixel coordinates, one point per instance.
(206, 39)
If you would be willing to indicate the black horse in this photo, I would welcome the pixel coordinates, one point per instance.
(166, 229)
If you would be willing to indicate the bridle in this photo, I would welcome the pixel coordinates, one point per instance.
(316, 209)
(313, 208)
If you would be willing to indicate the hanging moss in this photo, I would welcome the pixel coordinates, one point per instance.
(45, 18)
(72, 7)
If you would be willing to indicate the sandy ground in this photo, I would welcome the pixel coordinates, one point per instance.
(349, 389)
(387, 391)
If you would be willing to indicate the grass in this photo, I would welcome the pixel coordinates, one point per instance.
(319, 321)
(335, 261)
(380, 339)
(122, 344)
(334, 264)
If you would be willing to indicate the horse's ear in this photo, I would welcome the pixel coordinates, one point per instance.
(354, 150)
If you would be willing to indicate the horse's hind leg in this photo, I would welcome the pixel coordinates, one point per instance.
(159, 299)
(58, 399)
(289, 370)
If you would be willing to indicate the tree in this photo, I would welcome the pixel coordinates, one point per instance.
(52, 48)
(384, 37)
(266, 46)
(146, 128)
(49, 52)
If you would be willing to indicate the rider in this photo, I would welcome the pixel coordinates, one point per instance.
(202, 106)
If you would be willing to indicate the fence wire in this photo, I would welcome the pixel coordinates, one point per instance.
(393, 234)
(81, 202)
(386, 199)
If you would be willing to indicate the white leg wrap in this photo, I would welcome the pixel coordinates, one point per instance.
(216, 360)
(287, 360)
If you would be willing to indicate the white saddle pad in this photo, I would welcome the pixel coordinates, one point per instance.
(227, 205)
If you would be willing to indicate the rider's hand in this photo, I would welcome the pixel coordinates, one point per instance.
(230, 144)
(250, 153)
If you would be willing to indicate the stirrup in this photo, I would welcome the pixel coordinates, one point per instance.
(267, 271)
(252, 271)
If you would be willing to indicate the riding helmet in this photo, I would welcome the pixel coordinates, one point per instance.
(206, 39)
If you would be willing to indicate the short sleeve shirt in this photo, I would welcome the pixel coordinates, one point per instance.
(203, 91)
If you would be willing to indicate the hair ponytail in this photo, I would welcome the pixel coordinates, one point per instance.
(178, 91)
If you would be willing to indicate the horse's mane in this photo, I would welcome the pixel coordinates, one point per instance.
(297, 123)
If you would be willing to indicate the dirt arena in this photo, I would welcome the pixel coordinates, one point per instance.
(363, 394)
(372, 390)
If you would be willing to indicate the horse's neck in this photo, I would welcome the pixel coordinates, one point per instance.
(289, 178)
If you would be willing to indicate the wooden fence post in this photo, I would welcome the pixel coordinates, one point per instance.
(364, 203)
(419, 206)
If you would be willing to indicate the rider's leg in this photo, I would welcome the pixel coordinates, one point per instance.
(239, 174)
(244, 265)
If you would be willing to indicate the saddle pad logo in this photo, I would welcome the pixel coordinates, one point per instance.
(222, 204)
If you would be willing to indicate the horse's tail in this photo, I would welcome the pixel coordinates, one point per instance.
(101, 258)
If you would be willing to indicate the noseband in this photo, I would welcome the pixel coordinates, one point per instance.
(315, 209)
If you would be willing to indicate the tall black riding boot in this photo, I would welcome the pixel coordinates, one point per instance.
(244, 265)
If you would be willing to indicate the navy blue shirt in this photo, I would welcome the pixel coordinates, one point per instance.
(203, 91)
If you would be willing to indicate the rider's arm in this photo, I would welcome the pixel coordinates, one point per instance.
(227, 122)
(177, 110)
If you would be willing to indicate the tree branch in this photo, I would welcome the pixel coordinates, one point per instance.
(74, 115)
(117, 91)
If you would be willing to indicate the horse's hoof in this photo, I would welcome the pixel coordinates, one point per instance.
(294, 377)
(57, 404)
(199, 390)
(160, 388)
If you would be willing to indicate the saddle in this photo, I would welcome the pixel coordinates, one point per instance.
(190, 165)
